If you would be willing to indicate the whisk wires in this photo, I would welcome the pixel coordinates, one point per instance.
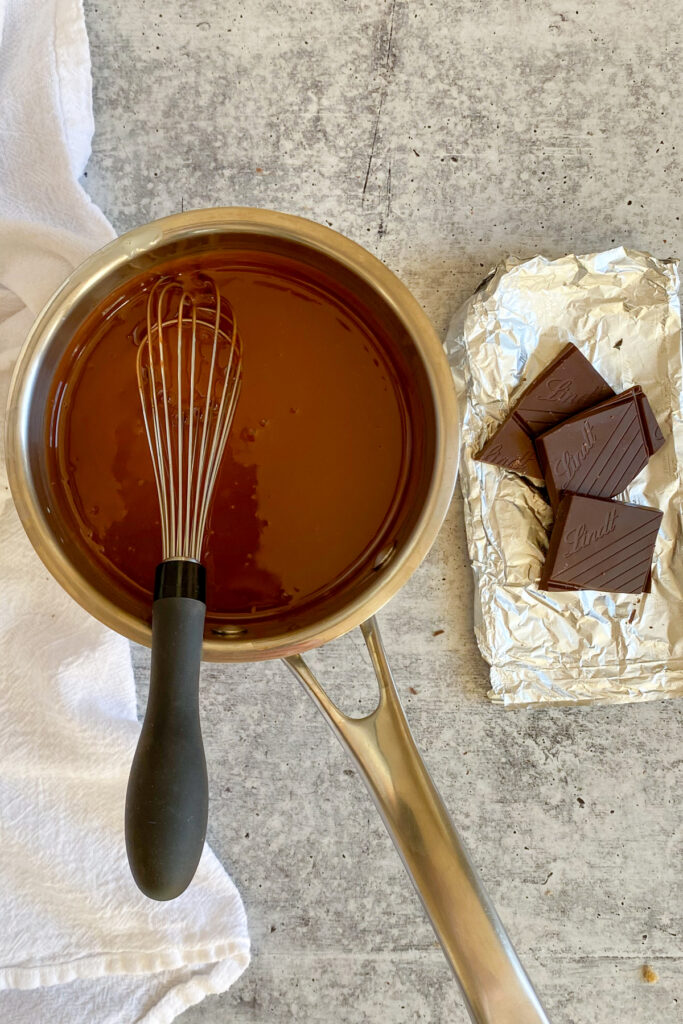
(189, 373)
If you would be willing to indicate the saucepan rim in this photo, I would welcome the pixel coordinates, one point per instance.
(141, 242)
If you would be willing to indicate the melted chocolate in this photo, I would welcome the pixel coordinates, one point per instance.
(318, 458)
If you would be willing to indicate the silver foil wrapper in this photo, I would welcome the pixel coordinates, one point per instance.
(621, 308)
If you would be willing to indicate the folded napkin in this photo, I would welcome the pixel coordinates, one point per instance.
(79, 944)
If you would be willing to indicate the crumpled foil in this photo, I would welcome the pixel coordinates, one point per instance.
(621, 308)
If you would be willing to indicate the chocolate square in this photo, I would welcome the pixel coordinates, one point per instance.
(598, 452)
(566, 386)
(597, 544)
(512, 448)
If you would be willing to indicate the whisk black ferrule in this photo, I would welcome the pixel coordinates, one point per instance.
(180, 577)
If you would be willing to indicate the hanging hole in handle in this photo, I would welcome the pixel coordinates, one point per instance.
(345, 672)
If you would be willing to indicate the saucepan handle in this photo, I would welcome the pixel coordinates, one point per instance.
(494, 984)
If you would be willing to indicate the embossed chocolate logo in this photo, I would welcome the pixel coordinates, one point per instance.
(569, 462)
(582, 537)
(498, 455)
(561, 389)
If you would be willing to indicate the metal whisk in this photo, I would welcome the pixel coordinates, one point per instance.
(189, 372)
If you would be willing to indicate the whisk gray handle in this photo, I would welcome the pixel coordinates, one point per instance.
(167, 799)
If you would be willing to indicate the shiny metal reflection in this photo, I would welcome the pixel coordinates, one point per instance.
(494, 985)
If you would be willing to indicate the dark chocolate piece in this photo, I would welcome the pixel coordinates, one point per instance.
(568, 385)
(512, 448)
(598, 452)
(654, 438)
(597, 544)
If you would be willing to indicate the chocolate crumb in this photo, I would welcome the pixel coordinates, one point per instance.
(412, 690)
(438, 632)
(581, 802)
(619, 343)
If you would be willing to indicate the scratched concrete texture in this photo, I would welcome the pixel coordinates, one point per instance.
(441, 136)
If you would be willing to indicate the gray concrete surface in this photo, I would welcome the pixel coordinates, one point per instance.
(441, 136)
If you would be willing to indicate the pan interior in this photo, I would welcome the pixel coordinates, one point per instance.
(329, 459)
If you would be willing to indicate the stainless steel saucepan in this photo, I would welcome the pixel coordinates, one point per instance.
(493, 982)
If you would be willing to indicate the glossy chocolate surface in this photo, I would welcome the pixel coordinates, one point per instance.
(597, 453)
(597, 544)
(568, 385)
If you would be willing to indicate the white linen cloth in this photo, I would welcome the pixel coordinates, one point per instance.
(79, 944)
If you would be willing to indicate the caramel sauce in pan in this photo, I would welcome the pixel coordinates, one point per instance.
(316, 465)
